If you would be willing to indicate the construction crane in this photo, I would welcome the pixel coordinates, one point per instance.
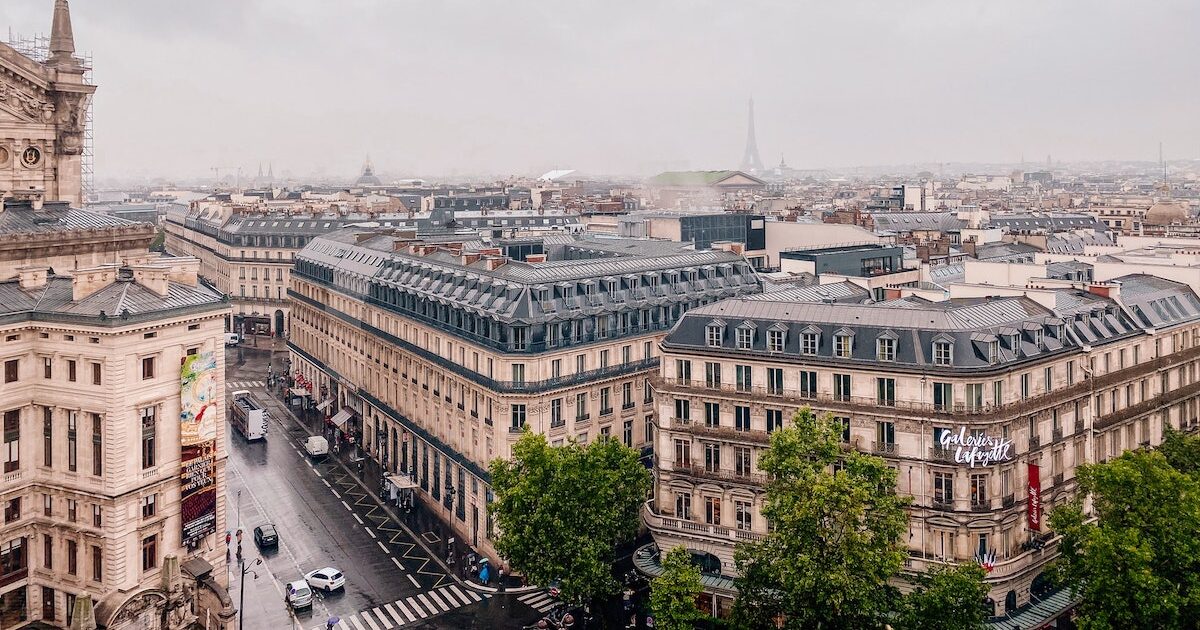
(217, 174)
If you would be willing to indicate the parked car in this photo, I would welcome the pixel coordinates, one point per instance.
(298, 595)
(232, 339)
(266, 536)
(327, 579)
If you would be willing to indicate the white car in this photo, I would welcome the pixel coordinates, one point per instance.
(327, 579)
(298, 594)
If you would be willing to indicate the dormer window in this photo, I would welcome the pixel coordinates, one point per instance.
(809, 342)
(993, 350)
(745, 337)
(843, 345)
(1061, 333)
(714, 333)
(943, 351)
(775, 339)
(885, 347)
(1037, 337)
(612, 286)
(1014, 344)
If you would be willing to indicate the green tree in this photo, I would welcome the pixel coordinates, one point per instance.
(1137, 563)
(1182, 451)
(837, 537)
(560, 511)
(673, 593)
(947, 598)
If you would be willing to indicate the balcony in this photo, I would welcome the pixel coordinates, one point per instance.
(756, 479)
(981, 506)
(727, 433)
(628, 405)
(1056, 434)
(1058, 479)
(1078, 426)
(661, 522)
(883, 448)
(947, 505)
(1035, 441)
(969, 413)
(939, 454)
(1008, 501)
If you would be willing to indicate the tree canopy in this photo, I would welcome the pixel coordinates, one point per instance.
(673, 593)
(1137, 563)
(560, 511)
(837, 541)
(837, 535)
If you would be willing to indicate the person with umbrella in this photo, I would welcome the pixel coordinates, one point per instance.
(485, 571)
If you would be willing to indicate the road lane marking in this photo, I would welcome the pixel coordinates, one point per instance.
(395, 615)
(326, 482)
(347, 506)
(383, 618)
(404, 609)
(425, 602)
(449, 596)
(474, 596)
(413, 580)
(438, 600)
(397, 563)
(385, 549)
(360, 522)
(366, 615)
(342, 625)
(371, 533)
(354, 620)
(335, 492)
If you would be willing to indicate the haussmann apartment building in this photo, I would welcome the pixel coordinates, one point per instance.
(984, 406)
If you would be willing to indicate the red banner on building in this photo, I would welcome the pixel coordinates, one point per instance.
(1034, 506)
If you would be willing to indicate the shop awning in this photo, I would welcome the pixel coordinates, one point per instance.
(341, 417)
(324, 404)
(299, 393)
(401, 481)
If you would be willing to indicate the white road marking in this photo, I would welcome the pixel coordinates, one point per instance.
(371, 533)
(366, 615)
(354, 620)
(425, 602)
(438, 600)
(473, 595)
(395, 615)
(397, 563)
(347, 506)
(360, 521)
(335, 493)
(413, 580)
(403, 609)
(326, 482)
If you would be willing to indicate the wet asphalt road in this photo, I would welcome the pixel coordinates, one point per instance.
(325, 518)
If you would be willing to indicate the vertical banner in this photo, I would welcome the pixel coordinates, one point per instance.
(1034, 506)
(198, 439)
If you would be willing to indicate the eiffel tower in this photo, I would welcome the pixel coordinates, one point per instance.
(751, 163)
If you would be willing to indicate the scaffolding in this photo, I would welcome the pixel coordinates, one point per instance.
(37, 48)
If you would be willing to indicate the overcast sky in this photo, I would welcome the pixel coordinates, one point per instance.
(449, 87)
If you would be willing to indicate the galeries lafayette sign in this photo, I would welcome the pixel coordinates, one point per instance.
(977, 449)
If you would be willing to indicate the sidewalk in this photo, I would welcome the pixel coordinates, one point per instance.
(421, 521)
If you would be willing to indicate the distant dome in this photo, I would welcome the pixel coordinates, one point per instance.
(1166, 213)
(368, 177)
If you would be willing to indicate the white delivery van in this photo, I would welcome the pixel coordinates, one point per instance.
(316, 446)
(247, 416)
(232, 339)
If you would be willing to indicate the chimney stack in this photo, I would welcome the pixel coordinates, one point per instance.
(33, 276)
(89, 280)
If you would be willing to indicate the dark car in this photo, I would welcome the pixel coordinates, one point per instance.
(266, 536)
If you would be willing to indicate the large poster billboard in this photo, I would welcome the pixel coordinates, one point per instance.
(198, 413)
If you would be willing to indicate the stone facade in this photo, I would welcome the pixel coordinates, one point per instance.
(1085, 383)
(43, 108)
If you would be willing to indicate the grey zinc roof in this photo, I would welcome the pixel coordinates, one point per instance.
(122, 296)
(843, 291)
(969, 325)
(915, 221)
(55, 217)
(1157, 302)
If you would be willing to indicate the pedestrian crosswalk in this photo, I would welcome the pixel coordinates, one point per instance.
(538, 600)
(243, 384)
(411, 609)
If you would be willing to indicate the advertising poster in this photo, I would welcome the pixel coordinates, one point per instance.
(1034, 507)
(198, 434)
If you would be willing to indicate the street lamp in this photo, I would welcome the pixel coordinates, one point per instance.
(244, 570)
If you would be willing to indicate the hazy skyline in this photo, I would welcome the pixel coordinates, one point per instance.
(518, 87)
